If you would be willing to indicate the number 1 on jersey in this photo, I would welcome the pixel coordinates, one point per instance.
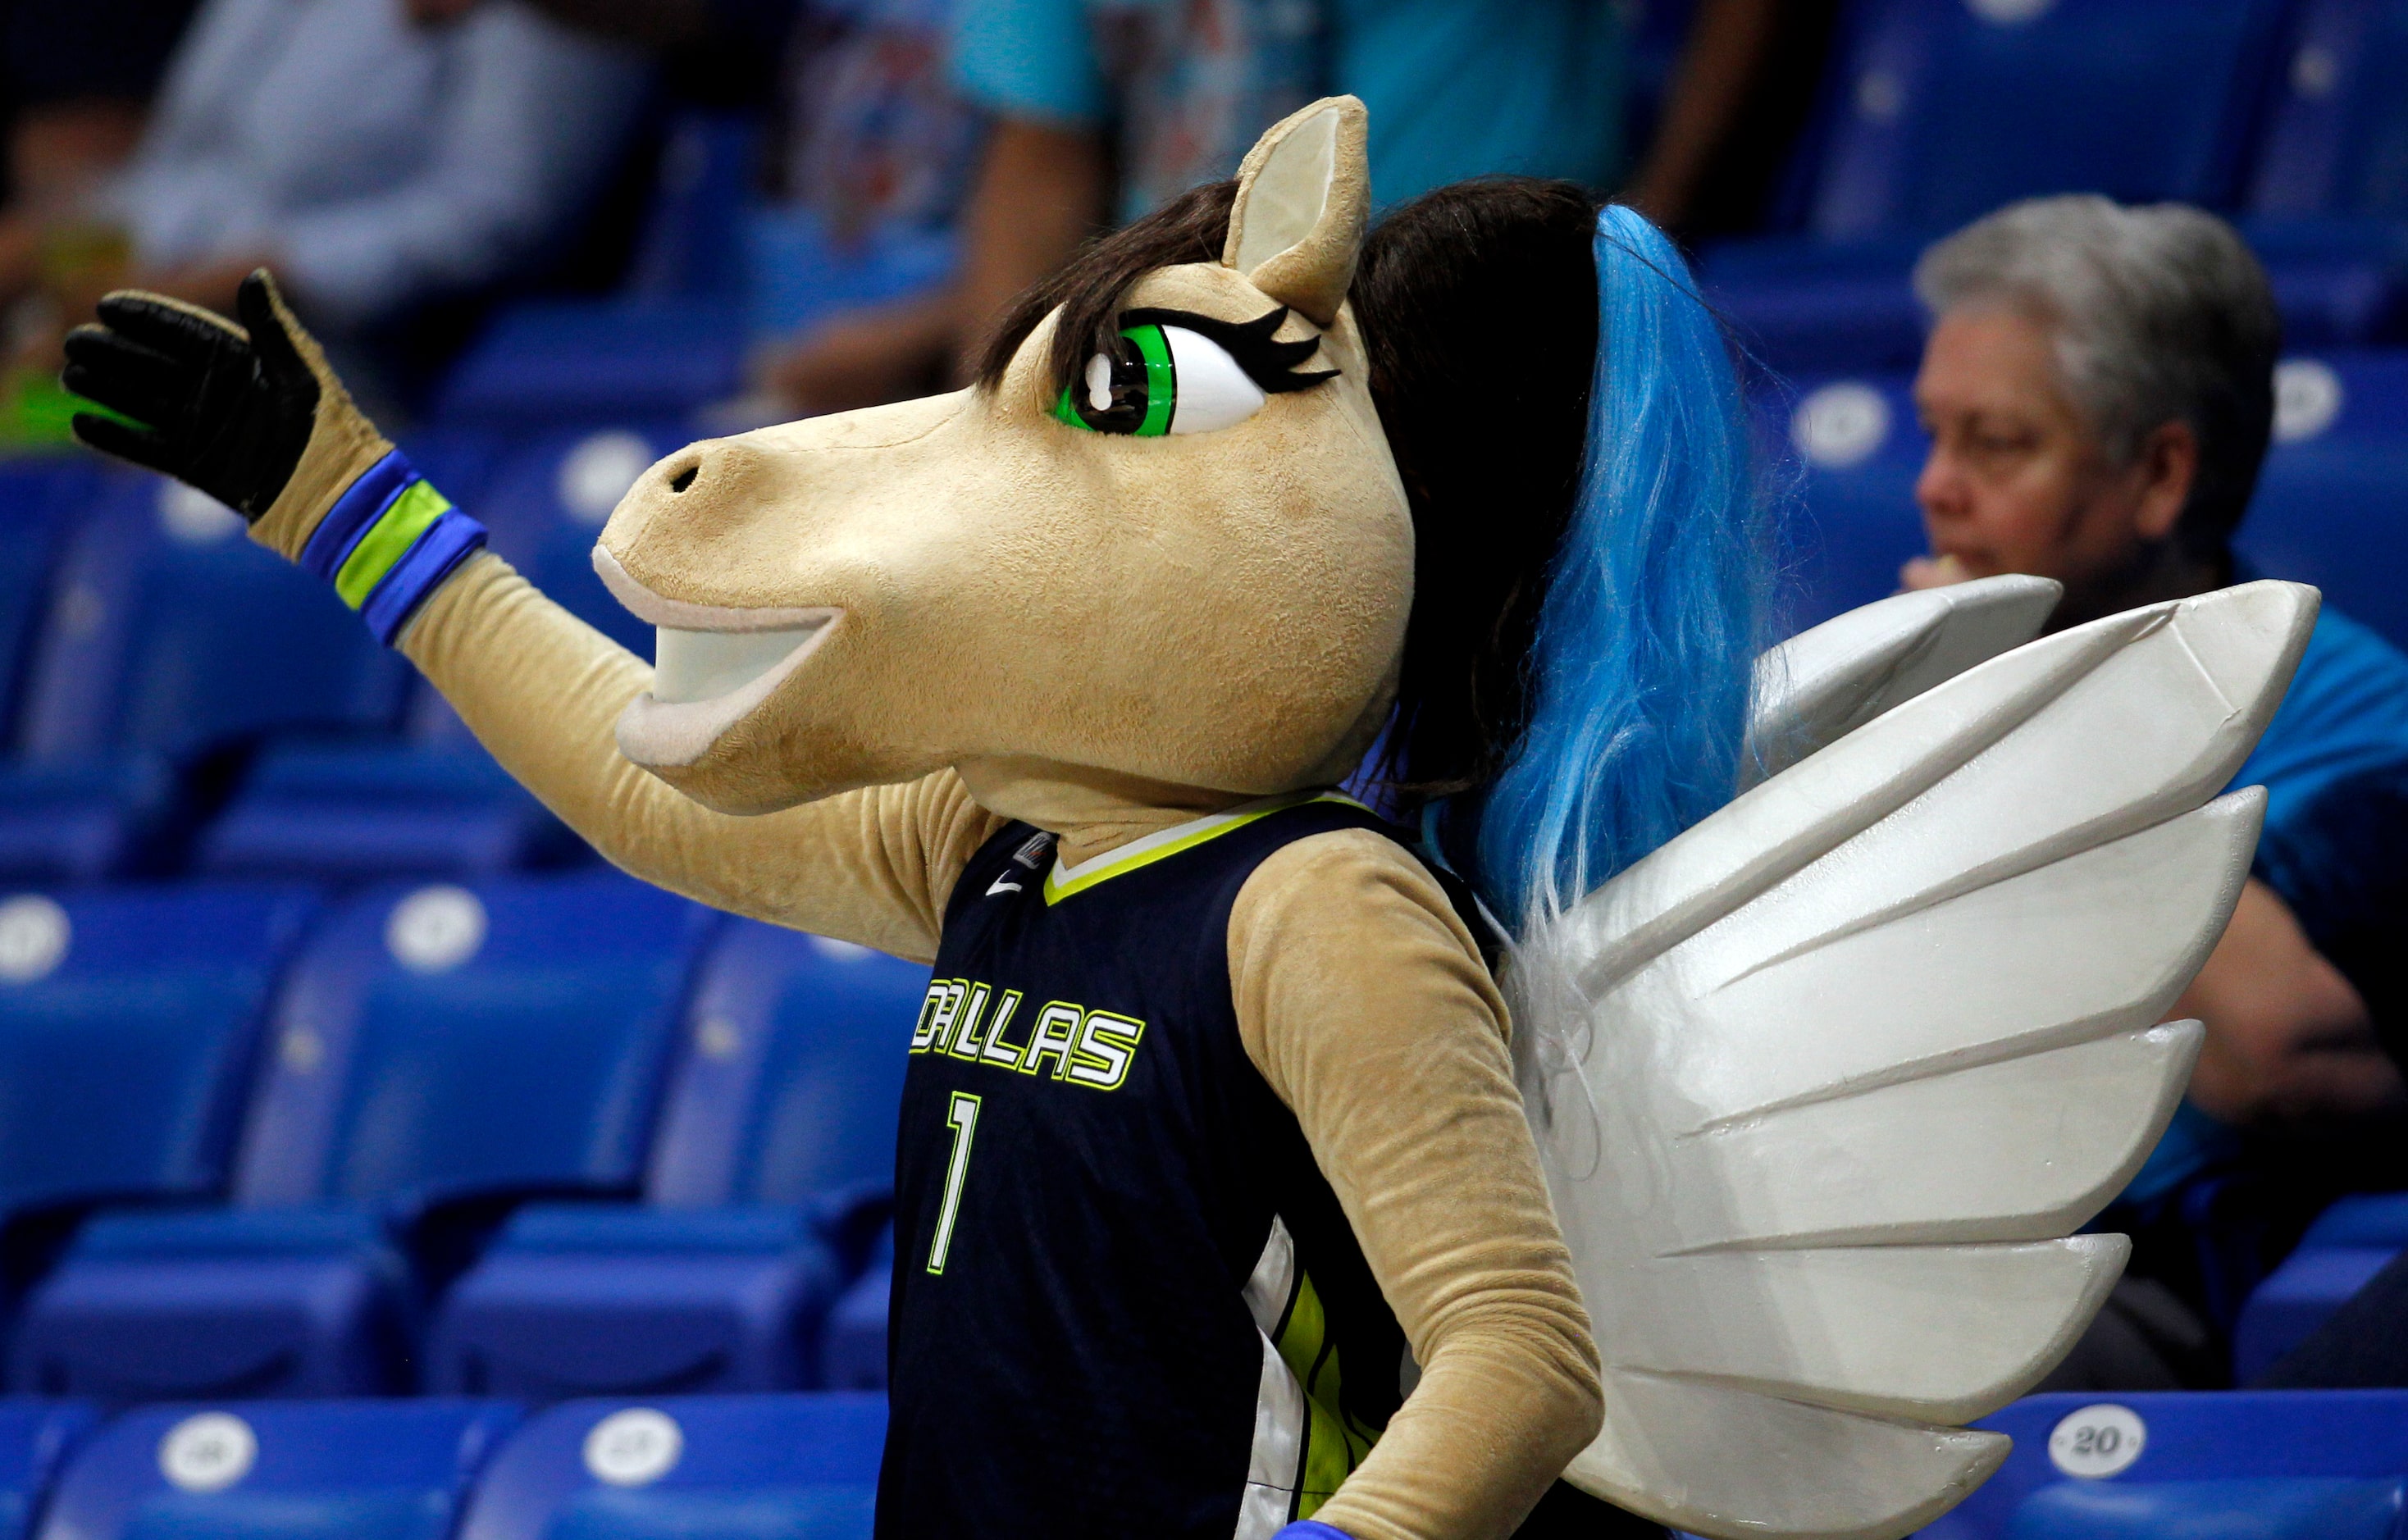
(962, 1117)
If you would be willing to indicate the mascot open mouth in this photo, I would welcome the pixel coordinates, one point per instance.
(714, 666)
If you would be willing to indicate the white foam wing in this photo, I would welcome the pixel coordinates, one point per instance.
(1823, 1085)
(1820, 685)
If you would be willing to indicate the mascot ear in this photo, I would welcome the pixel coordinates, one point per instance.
(1304, 197)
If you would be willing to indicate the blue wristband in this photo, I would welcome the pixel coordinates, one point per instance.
(388, 542)
(1312, 1529)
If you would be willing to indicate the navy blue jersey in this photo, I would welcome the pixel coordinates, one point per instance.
(1126, 1301)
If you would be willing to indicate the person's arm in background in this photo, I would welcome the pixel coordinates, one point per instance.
(2290, 1043)
(527, 129)
(1729, 49)
(2301, 998)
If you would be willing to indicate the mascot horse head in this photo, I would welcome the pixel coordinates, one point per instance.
(1244, 484)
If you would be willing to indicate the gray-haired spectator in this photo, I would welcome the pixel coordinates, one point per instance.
(373, 158)
(2099, 389)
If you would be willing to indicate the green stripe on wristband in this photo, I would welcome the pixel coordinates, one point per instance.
(388, 542)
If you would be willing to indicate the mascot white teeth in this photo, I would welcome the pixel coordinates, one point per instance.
(1836, 974)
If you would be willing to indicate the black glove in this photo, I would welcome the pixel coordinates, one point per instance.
(225, 413)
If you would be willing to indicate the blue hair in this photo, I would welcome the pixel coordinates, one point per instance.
(1656, 603)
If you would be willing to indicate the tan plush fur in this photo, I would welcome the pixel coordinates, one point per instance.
(1105, 636)
(1303, 203)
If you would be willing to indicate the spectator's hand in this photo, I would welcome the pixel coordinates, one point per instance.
(223, 407)
(864, 358)
(1932, 572)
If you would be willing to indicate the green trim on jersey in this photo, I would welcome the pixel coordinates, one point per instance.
(1064, 881)
(1333, 1444)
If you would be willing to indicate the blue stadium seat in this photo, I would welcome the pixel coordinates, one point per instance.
(40, 496)
(35, 1438)
(2333, 135)
(128, 1019)
(2349, 1242)
(2226, 1465)
(437, 805)
(773, 1162)
(2327, 197)
(440, 1053)
(1859, 450)
(692, 241)
(767, 1467)
(802, 272)
(1938, 111)
(2332, 505)
(716, 270)
(362, 1470)
(1944, 110)
(546, 362)
(670, 341)
(852, 1349)
(171, 638)
(1805, 309)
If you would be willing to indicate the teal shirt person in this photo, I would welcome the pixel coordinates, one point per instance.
(2334, 763)
(1456, 89)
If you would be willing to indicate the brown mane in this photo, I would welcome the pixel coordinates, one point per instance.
(1192, 227)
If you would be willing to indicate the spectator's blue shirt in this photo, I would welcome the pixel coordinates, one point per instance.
(2334, 763)
(1456, 89)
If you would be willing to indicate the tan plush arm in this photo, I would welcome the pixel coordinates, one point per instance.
(1364, 1005)
(541, 690)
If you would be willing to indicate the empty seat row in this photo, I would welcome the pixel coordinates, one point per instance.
(2332, 507)
(2342, 1252)
(182, 699)
(796, 1467)
(2285, 113)
(2313, 1465)
(537, 1137)
(2220, 1465)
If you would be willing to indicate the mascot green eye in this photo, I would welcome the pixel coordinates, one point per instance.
(1160, 378)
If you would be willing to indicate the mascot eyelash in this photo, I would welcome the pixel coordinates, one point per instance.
(1267, 362)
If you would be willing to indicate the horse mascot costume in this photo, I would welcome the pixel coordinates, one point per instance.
(1227, 1201)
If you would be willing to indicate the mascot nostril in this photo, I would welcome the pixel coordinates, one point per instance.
(1219, 1207)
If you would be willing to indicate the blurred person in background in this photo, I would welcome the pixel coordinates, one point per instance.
(1102, 109)
(2098, 388)
(379, 154)
(869, 148)
(1096, 111)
